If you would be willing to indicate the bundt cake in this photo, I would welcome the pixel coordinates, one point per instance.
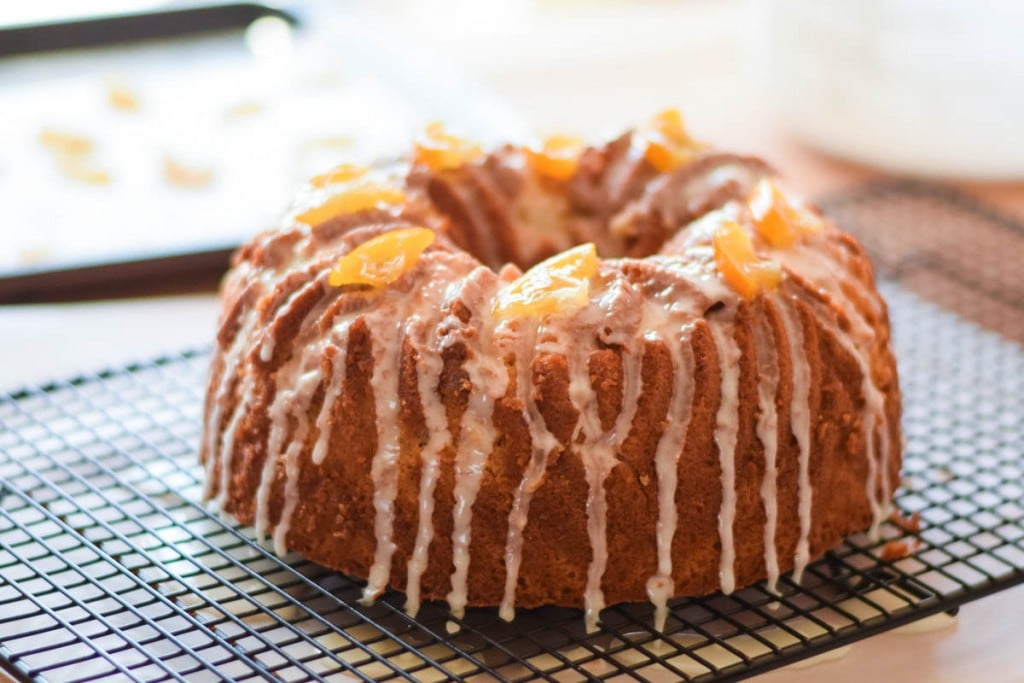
(556, 374)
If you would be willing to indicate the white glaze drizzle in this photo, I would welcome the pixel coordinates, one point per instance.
(291, 402)
(307, 362)
(304, 392)
(661, 586)
(390, 327)
(800, 422)
(279, 412)
(232, 358)
(476, 440)
(291, 399)
(876, 420)
(576, 340)
(598, 453)
(858, 345)
(227, 444)
(386, 351)
(428, 377)
(672, 314)
(488, 381)
(245, 395)
(874, 408)
(295, 404)
(269, 339)
(822, 268)
(335, 384)
(394, 308)
(543, 442)
(767, 434)
(726, 432)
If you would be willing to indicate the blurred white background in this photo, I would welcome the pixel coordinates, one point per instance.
(930, 88)
(926, 87)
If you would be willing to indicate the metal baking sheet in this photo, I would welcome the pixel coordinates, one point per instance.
(184, 145)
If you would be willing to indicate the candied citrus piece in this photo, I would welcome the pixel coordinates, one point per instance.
(84, 172)
(342, 173)
(557, 285)
(541, 295)
(668, 145)
(65, 144)
(669, 123)
(243, 108)
(181, 175)
(120, 96)
(358, 197)
(383, 259)
(557, 157)
(769, 209)
(440, 150)
(776, 219)
(665, 157)
(579, 262)
(739, 265)
(73, 154)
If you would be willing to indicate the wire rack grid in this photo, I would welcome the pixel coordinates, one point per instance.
(111, 568)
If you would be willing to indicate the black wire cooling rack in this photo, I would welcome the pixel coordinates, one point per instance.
(110, 568)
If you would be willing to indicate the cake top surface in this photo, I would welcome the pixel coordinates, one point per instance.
(560, 211)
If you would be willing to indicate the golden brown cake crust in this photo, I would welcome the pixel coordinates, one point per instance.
(276, 292)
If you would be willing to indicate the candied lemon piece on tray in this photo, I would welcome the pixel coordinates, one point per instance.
(120, 96)
(65, 144)
(177, 173)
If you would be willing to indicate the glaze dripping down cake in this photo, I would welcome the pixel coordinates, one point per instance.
(562, 374)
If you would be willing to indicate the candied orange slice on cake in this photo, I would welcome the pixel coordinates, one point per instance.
(560, 284)
(383, 259)
(440, 150)
(739, 265)
(359, 196)
(776, 219)
(668, 144)
(557, 157)
(342, 173)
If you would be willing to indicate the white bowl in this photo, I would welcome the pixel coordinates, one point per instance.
(925, 87)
